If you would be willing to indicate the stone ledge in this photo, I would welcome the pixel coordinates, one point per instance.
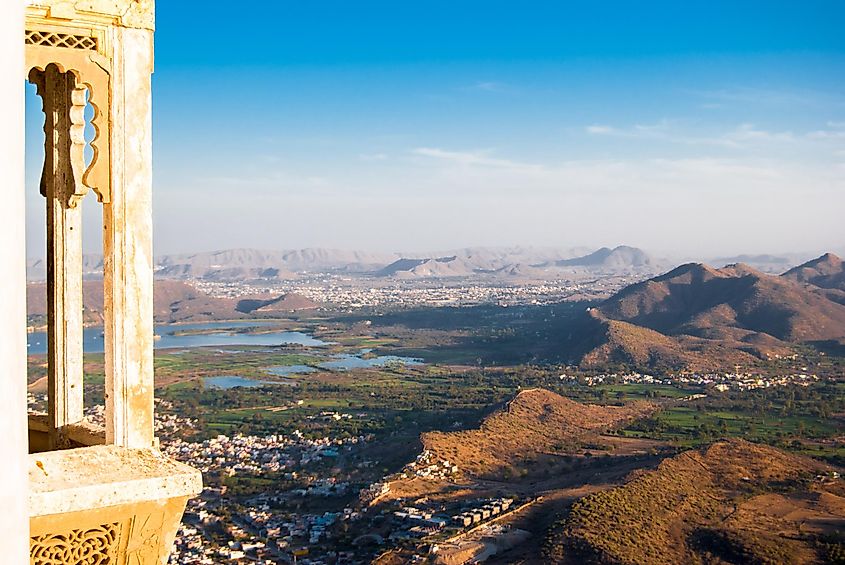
(84, 433)
(105, 475)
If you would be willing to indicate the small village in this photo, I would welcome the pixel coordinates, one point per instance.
(721, 382)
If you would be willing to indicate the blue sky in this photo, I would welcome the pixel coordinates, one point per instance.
(694, 128)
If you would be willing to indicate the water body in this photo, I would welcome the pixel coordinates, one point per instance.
(344, 362)
(286, 370)
(227, 382)
(225, 334)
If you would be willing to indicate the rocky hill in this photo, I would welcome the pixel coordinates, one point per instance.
(243, 264)
(535, 421)
(733, 502)
(828, 271)
(696, 316)
(427, 268)
(767, 263)
(174, 301)
(619, 258)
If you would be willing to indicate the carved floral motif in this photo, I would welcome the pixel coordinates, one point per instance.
(90, 546)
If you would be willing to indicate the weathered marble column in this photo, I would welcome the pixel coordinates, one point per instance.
(127, 245)
(14, 521)
(61, 184)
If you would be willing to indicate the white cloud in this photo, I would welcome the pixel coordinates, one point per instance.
(833, 131)
(373, 157)
(598, 129)
(745, 136)
(472, 158)
(748, 132)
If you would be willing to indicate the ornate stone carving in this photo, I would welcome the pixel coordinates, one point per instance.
(145, 539)
(90, 546)
(64, 100)
(67, 40)
(80, 52)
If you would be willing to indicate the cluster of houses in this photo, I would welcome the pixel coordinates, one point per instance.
(285, 530)
(167, 424)
(615, 378)
(477, 515)
(421, 522)
(257, 530)
(748, 381)
(373, 492)
(719, 381)
(190, 547)
(425, 466)
(255, 455)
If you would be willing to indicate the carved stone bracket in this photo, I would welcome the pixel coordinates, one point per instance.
(63, 101)
(87, 81)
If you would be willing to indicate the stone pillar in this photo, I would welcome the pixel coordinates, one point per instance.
(14, 521)
(64, 106)
(127, 245)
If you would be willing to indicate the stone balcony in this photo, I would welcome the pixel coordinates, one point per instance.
(104, 504)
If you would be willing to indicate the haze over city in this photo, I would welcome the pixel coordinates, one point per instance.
(390, 127)
(442, 283)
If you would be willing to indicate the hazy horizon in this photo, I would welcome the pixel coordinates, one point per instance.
(691, 132)
(666, 260)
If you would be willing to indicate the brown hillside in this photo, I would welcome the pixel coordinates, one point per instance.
(697, 316)
(705, 302)
(535, 421)
(635, 345)
(734, 502)
(828, 271)
(173, 301)
(92, 301)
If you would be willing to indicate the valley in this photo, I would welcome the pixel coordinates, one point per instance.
(378, 423)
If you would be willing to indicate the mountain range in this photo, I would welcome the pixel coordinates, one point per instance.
(511, 262)
(698, 316)
(175, 301)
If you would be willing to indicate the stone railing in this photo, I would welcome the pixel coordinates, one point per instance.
(106, 504)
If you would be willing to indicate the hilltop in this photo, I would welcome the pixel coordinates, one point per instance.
(535, 422)
(696, 315)
(621, 257)
(767, 263)
(427, 268)
(733, 502)
(828, 271)
(174, 301)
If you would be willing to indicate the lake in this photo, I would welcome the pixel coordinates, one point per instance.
(285, 370)
(344, 362)
(225, 334)
(227, 382)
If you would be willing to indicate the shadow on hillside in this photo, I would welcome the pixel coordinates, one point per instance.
(494, 335)
(832, 347)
